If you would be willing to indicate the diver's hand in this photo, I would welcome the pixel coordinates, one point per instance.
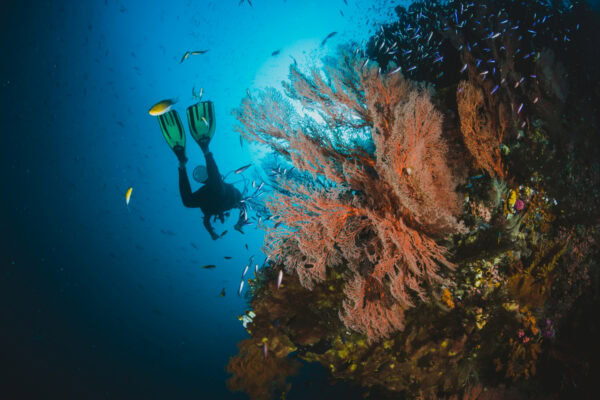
(238, 228)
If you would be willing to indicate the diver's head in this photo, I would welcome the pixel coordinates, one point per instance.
(200, 174)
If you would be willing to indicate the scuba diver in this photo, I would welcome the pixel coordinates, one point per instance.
(215, 198)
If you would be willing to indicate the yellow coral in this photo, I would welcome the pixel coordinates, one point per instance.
(447, 298)
(512, 199)
(343, 353)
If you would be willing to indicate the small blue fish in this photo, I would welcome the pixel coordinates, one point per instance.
(520, 108)
(463, 68)
(494, 89)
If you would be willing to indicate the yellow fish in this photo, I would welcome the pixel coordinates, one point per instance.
(191, 53)
(162, 107)
(128, 197)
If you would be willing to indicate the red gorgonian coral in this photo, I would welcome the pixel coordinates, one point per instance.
(377, 208)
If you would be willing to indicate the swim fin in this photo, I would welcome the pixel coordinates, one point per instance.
(202, 122)
(172, 129)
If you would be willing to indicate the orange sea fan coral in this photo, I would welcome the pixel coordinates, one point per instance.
(260, 378)
(379, 212)
(481, 133)
(367, 310)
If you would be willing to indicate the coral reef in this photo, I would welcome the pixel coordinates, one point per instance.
(440, 240)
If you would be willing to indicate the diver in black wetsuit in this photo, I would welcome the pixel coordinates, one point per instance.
(215, 198)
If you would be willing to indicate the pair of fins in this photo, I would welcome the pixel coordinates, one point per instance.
(201, 121)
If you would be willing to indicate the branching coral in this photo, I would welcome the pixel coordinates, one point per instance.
(481, 135)
(380, 214)
(257, 376)
(368, 311)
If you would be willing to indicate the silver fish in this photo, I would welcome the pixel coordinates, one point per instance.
(245, 271)
(279, 278)
(242, 169)
(392, 72)
(241, 288)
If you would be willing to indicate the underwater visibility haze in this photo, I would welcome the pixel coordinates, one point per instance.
(285, 199)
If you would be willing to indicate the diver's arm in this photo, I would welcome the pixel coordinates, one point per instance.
(241, 220)
(184, 187)
(209, 227)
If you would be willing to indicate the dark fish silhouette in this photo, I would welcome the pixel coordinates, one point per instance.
(275, 52)
(222, 294)
(209, 266)
(227, 257)
(332, 34)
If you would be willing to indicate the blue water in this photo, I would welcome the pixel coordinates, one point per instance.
(102, 302)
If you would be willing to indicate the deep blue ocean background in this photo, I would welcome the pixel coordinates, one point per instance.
(99, 302)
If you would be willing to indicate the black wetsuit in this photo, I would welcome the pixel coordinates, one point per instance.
(214, 198)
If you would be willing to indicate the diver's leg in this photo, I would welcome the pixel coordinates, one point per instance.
(184, 187)
(214, 176)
